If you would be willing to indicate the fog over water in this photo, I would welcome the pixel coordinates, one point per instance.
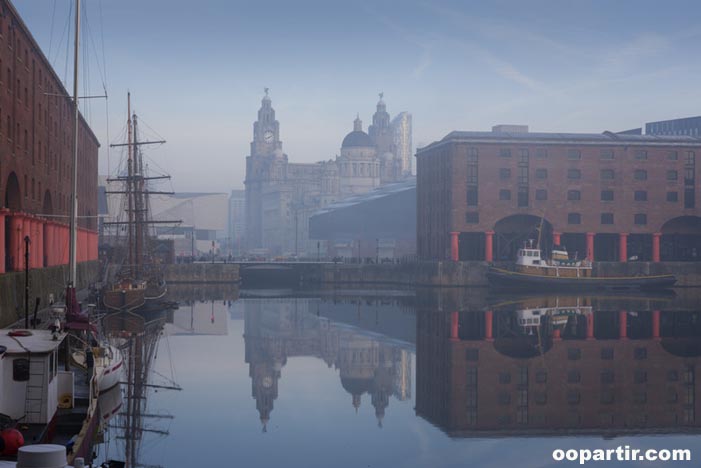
(197, 73)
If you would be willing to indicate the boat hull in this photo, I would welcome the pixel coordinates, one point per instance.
(124, 299)
(516, 280)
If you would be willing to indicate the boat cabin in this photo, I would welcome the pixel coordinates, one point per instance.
(528, 256)
(30, 382)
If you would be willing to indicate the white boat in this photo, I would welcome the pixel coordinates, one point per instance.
(108, 364)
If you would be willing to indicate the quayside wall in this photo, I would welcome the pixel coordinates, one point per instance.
(210, 273)
(42, 283)
(474, 273)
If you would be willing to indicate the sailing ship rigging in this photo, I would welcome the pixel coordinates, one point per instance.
(139, 285)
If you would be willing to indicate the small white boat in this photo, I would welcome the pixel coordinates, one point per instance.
(108, 363)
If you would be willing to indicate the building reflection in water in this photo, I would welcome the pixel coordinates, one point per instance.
(369, 363)
(557, 365)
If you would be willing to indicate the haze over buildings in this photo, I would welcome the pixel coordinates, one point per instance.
(454, 65)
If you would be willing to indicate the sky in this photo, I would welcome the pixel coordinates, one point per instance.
(196, 70)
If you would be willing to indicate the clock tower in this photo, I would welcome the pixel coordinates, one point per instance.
(265, 165)
(266, 130)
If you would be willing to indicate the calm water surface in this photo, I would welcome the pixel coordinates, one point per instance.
(418, 379)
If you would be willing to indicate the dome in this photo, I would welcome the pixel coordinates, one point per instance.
(355, 386)
(357, 138)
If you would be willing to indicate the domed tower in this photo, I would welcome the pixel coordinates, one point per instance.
(358, 165)
(381, 131)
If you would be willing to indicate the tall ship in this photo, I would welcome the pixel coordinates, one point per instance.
(139, 284)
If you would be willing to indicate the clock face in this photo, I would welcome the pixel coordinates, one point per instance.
(268, 136)
(267, 382)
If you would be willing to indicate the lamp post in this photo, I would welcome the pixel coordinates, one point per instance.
(27, 241)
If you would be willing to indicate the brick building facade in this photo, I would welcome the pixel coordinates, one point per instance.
(604, 196)
(36, 149)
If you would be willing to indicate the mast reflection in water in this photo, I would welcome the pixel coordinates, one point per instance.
(320, 379)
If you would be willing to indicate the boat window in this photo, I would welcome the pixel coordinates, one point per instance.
(536, 262)
(52, 365)
(20, 370)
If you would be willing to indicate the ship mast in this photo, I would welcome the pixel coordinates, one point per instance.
(72, 273)
(130, 175)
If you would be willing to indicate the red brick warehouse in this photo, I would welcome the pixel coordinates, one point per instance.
(606, 196)
(36, 149)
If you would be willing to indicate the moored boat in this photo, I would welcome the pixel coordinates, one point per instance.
(532, 271)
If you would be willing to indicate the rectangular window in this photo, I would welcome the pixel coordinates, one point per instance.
(505, 153)
(472, 173)
(523, 155)
(472, 196)
(606, 154)
(574, 174)
(672, 196)
(574, 154)
(541, 194)
(607, 174)
(640, 219)
(472, 155)
(606, 218)
(473, 217)
(640, 174)
(504, 173)
(523, 197)
(672, 175)
(504, 194)
(672, 156)
(472, 354)
(541, 153)
(523, 175)
(607, 353)
(640, 195)
(689, 176)
(689, 198)
(690, 158)
(574, 218)
(573, 195)
(541, 174)
(607, 195)
(641, 155)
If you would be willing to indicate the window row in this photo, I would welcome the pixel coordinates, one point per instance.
(639, 219)
(576, 174)
(575, 154)
(572, 195)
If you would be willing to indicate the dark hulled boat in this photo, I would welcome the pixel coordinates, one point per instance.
(531, 271)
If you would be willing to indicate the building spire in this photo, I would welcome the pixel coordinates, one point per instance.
(357, 124)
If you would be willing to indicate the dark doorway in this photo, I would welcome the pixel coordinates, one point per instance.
(681, 239)
(471, 245)
(606, 247)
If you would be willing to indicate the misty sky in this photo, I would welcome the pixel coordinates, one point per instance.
(197, 70)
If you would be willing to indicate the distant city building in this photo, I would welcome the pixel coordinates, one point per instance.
(690, 126)
(380, 223)
(203, 229)
(401, 128)
(237, 221)
(607, 196)
(281, 196)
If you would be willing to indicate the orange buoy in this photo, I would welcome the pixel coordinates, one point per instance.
(10, 441)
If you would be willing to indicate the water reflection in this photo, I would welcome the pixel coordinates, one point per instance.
(368, 363)
(557, 365)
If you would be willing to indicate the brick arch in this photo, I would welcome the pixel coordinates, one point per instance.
(13, 193)
(682, 225)
(512, 231)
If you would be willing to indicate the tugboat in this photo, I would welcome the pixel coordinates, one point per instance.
(532, 271)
